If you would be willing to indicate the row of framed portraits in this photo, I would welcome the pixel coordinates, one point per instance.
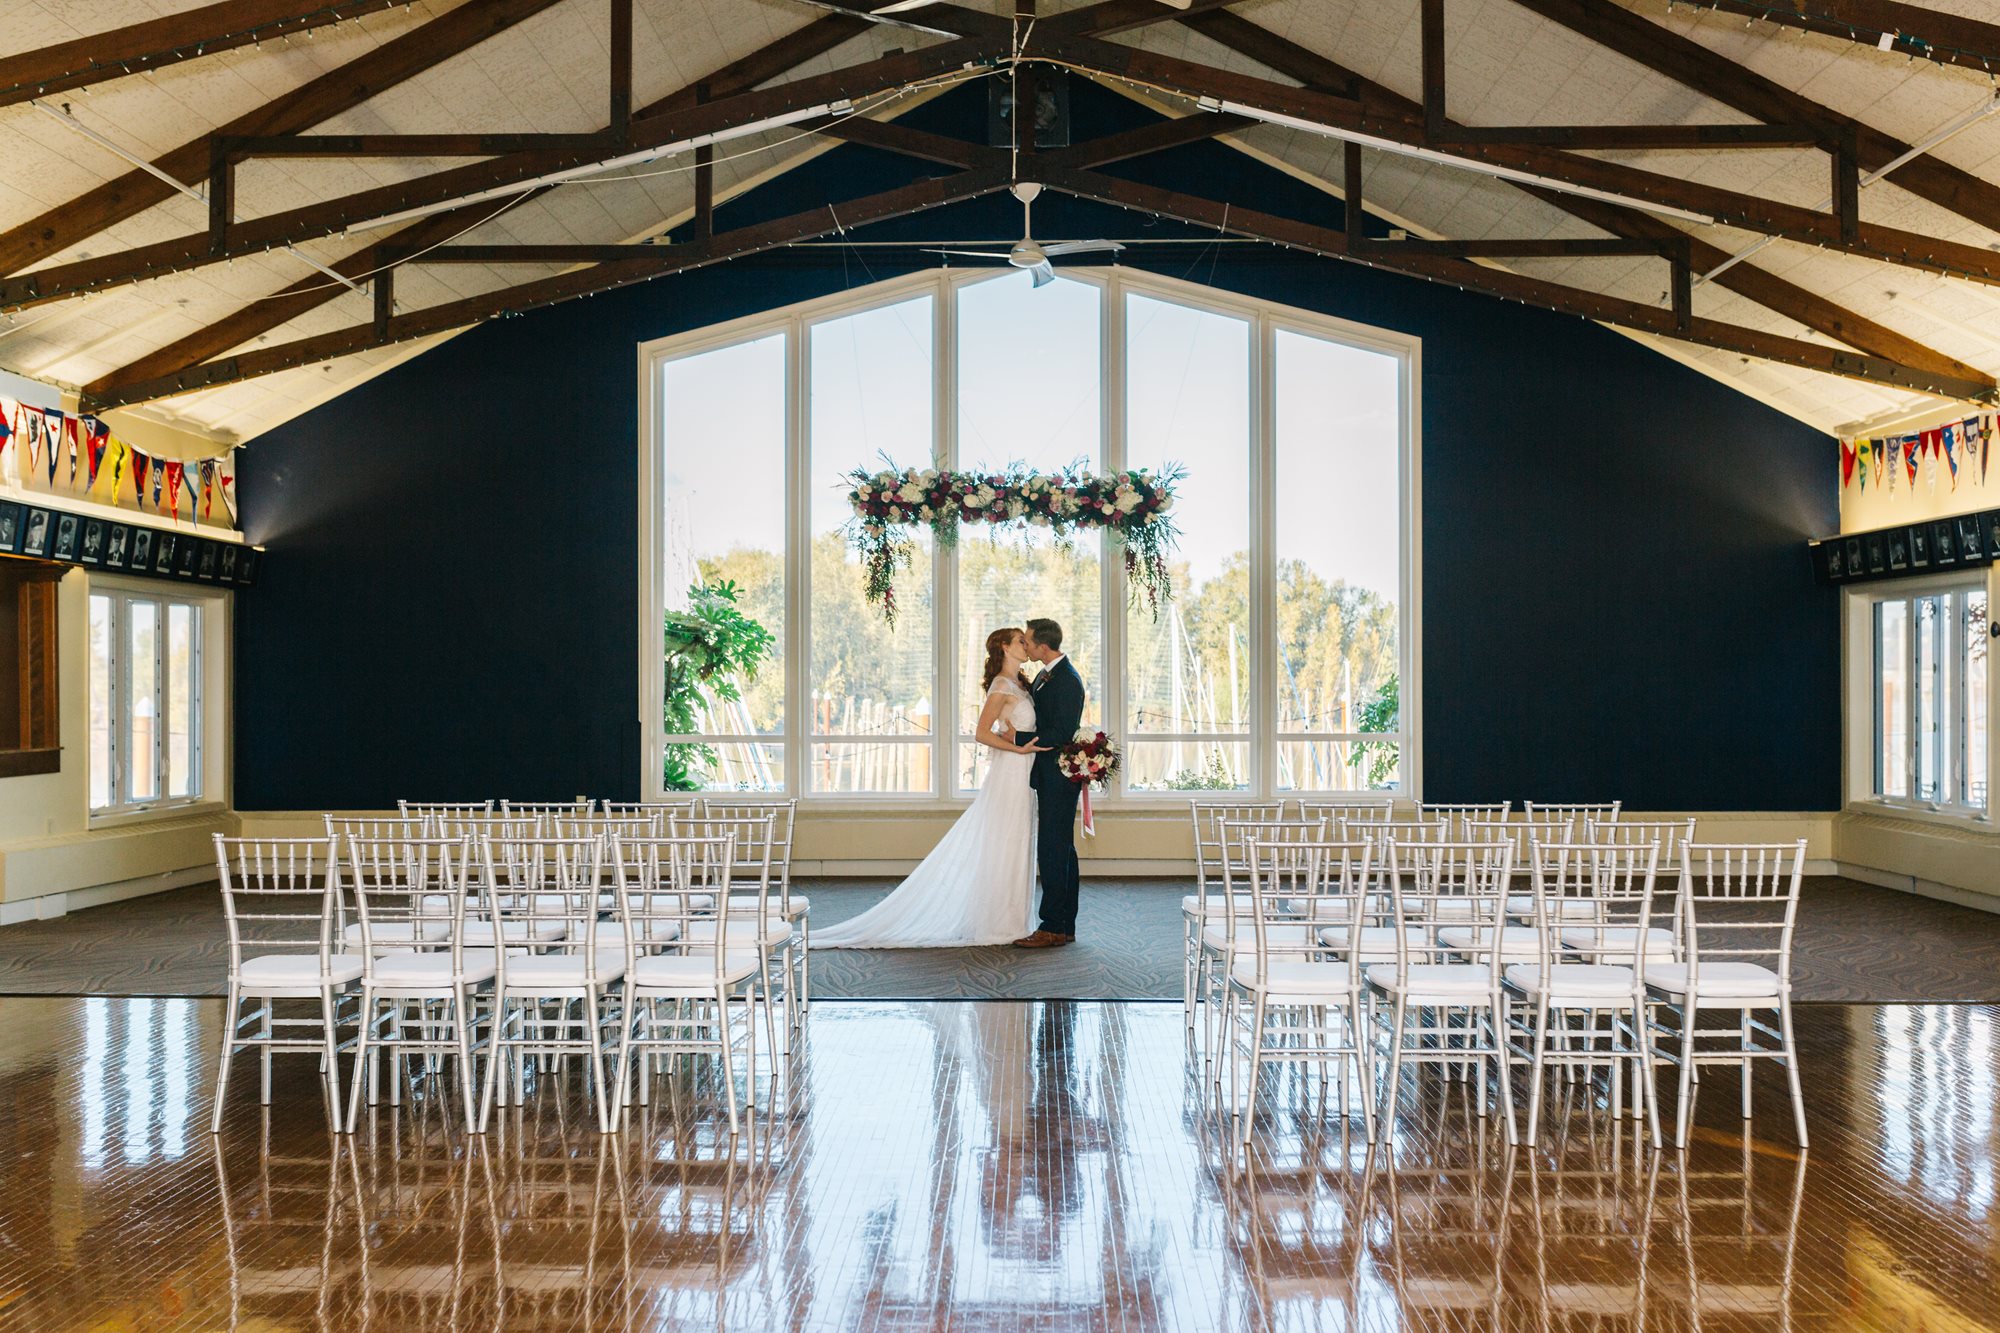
(1915, 548)
(127, 548)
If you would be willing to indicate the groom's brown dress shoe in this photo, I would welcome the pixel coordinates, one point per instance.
(1042, 939)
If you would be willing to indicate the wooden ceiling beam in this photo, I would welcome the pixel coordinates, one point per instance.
(1339, 115)
(1716, 76)
(1557, 297)
(1948, 39)
(895, 138)
(327, 96)
(157, 43)
(1110, 16)
(661, 260)
(1745, 279)
(769, 61)
(63, 281)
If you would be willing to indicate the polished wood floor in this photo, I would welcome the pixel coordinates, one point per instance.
(1001, 1165)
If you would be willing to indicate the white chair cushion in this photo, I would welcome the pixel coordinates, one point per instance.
(397, 932)
(1435, 983)
(1456, 909)
(1217, 937)
(692, 974)
(1378, 943)
(430, 971)
(774, 903)
(297, 971)
(658, 902)
(742, 933)
(481, 932)
(655, 932)
(1214, 904)
(1515, 941)
(1718, 981)
(1293, 977)
(1617, 941)
(1566, 909)
(1579, 981)
(1319, 909)
(561, 971)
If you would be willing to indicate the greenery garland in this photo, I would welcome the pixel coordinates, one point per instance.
(1132, 505)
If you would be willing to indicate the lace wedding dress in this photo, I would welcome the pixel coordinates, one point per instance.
(978, 886)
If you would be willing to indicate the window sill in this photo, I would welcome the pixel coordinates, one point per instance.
(155, 814)
(1976, 820)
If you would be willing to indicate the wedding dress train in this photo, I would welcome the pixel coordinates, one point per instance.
(978, 886)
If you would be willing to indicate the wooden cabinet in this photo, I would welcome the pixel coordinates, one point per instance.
(29, 703)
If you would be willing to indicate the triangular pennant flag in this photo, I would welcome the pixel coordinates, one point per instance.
(1862, 451)
(1881, 459)
(97, 436)
(159, 480)
(140, 464)
(1986, 424)
(10, 411)
(31, 428)
(118, 453)
(52, 437)
(1911, 445)
(1847, 448)
(1950, 439)
(207, 487)
(70, 433)
(227, 483)
(174, 472)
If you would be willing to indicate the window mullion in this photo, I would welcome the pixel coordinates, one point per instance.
(794, 742)
(1263, 546)
(1111, 582)
(944, 561)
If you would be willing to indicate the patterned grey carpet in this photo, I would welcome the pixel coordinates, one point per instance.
(1856, 944)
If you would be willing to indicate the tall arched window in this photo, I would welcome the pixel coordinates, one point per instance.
(1287, 660)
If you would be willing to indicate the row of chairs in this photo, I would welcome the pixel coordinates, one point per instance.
(1326, 944)
(626, 939)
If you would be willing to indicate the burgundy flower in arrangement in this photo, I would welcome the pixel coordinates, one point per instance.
(1091, 760)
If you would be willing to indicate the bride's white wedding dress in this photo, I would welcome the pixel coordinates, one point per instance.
(978, 886)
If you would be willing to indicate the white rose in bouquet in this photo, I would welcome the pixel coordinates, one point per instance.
(910, 492)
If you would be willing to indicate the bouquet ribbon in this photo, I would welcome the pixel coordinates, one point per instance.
(1089, 820)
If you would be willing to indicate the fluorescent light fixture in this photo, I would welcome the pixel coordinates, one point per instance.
(634, 159)
(1446, 159)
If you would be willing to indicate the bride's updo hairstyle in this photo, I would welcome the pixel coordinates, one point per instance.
(996, 654)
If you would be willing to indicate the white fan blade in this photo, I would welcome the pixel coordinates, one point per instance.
(970, 254)
(1080, 247)
(1042, 273)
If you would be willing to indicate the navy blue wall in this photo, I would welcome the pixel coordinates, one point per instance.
(1616, 599)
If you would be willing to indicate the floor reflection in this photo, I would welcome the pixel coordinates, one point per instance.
(977, 1165)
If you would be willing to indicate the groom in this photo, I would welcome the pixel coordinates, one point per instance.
(1058, 695)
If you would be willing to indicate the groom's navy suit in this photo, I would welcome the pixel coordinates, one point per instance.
(1058, 711)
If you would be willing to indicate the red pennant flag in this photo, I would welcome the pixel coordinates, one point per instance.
(6, 422)
(1950, 438)
(140, 463)
(1846, 464)
(1986, 432)
(1912, 446)
(99, 438)
(207, 487)
(174, 472)
(228, 488)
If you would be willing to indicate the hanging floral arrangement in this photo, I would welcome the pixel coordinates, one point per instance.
(1131, 504)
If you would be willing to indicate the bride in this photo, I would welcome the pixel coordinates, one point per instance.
(978, 886)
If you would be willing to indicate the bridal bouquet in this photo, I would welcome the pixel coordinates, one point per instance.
(1089, 761)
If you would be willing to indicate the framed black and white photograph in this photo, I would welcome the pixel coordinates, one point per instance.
(163, 553)
(205, 566)
(1944, 542)
(226, 569)
(1992, 526)
(1920, 547)
(246, 568)
(142, 548)
(1899, 550)
(117, 546)
(1878, 554)
(92, 550)
(12, 524)
(40, 530)
(1835, 556)
(1971, 541)
(184, 556)
(66, 532)
(1854, 558)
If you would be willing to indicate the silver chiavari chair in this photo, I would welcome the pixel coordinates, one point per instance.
(757, 925)
(1226, 929)
(1444, 1003)
(1206, 902)
(410, 898)
(547, 812)
(281, 905)
(657, 811)
(429, 810)
(1602, 812)
(1600, 943)
(1334, 809)
(796, 908)
(1738, 904)
(1290, 998)
(370, 829)
(1457, 815)
(700, 983)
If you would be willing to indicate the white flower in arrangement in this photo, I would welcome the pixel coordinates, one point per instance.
(925, 513)
(930, 474)
(910, 492)
(1016, 507)
(1128, 500)
(1166, 503)
(1039, 519)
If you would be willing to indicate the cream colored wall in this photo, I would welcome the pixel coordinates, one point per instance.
(1154, 840)
(51, 860)
(1956, 861)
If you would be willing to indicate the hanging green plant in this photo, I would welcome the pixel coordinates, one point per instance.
(707, 648)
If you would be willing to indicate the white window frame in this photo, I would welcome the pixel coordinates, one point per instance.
(1863, 699)
(795, 321)
(123, 596)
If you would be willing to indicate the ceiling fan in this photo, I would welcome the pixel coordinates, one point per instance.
(1029, 253)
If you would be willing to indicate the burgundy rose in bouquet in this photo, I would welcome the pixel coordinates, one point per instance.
(1091, 760)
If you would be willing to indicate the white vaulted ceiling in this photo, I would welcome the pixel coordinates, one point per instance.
(1505, 66)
